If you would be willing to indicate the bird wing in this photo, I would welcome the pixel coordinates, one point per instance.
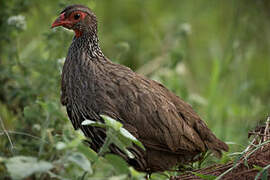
(194, 126)
(146, 109)
(161, 124)
(187, 113)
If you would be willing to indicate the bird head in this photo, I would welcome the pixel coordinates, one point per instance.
(78, 18)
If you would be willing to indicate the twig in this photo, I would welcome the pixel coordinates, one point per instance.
(24, 134)
(84, 175)
(251, 144)
(245, 152)
(266, 130)
(43, 136)
(259, 134)
(6, 133)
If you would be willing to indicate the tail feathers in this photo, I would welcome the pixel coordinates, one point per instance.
(217, 146)
(210, 140)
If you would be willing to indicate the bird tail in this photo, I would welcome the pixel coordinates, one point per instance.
(210, 140)
(216, 146)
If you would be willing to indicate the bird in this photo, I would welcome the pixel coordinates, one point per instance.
(92, 85)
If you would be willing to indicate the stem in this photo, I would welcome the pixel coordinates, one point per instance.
(6, 133)
(22, 133)
(46, 124)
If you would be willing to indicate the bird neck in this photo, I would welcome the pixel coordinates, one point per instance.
(89, 43)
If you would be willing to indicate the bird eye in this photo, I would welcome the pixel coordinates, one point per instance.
(77, 16)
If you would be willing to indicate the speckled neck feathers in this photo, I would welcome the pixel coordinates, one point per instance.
(88, 43)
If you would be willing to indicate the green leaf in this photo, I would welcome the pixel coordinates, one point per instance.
(111, 122)
(135, 174)
(74, 143)
(44, 105)
(88, 152)
(128, 135)
(28, 112)
(88, 122)
(118, 163)
(21, 167)
(81, 161)
(206, 177)
(130, 155)
(119, 136)
(120, 177)
(257, 167)
(122, 144)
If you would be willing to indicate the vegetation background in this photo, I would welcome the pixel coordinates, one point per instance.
(214, 54)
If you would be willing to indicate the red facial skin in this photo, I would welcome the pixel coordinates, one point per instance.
(69, 22)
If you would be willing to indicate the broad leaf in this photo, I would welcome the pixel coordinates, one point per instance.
(88, 152)
(88, 122)
(119, 164)
(81, 161)
(111, 122)
(21, 167)
(128, 135)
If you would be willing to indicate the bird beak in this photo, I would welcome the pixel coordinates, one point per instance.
(60, 21)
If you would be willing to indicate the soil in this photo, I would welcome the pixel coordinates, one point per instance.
(245, 168)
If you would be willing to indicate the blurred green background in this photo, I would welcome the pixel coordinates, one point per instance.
(214, 54)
